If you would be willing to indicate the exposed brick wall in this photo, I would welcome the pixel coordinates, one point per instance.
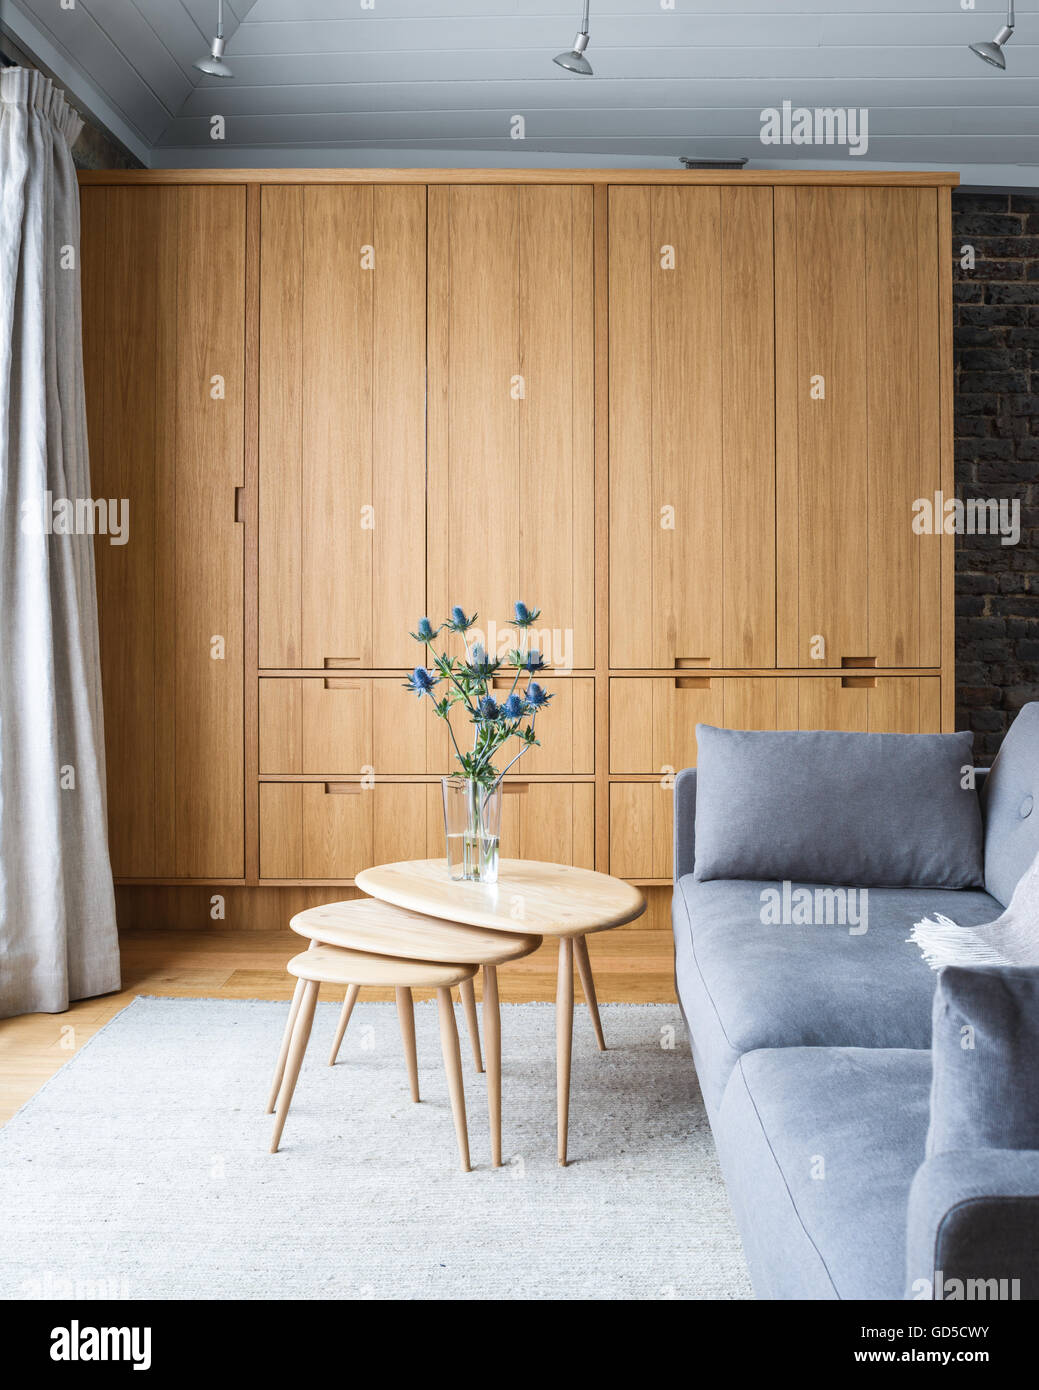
(996, 340)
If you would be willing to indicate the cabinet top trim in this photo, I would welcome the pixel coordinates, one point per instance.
(862, 178)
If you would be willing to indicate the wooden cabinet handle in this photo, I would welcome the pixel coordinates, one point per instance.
(336, 663)
(692, 682)
(515, 788)
(239, 504)
(861, 662)
(342, 788)
(691, 663)
(338, 683)
(858, 682)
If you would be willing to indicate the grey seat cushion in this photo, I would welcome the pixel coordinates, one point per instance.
(819, 1147)
(744, 985)
(1010, 805)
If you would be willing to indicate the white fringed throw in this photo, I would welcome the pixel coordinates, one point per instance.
(1012, 939)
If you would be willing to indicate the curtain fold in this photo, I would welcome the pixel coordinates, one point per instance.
(57, 909)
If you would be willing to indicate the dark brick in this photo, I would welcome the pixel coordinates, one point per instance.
(1010, 294)
(997, 270)
(962, 293)
(1024, 202)
(970, 224)
(963, 202)
(1003, 383)
(1003, 315)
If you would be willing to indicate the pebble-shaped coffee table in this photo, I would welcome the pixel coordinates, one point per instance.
(544, 900)
(375, 928)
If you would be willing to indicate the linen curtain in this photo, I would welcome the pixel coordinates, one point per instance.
(57, 909)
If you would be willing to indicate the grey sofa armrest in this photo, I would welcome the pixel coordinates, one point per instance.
(974, 1216)
(685, 822)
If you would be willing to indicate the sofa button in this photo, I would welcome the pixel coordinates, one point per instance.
(1026, 807)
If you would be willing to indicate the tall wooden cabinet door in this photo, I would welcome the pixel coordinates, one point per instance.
(342, 425)
(164, 271)
(511, 505)
(858, 441)
(692, 459)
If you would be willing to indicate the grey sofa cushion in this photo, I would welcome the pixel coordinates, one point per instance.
(985, 1052)
(819, 1147)
(1010, 803)
(745, 985)
(865, 809)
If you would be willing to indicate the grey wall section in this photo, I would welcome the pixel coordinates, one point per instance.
(96, 147)
(996, 340)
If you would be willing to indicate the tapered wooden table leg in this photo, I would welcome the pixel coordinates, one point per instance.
(453, 1067)
(279, 1066)
(492, 1042)
(584, 969)
(468, 996)
(297, 1047)
(344, 1019)
(564, 1042)
(406, 1014)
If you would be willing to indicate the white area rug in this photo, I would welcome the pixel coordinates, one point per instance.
(141, 1169)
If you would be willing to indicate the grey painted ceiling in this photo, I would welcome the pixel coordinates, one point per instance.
(436, 82)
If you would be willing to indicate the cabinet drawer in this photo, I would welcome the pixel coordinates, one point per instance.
(332, 830)
(653, 721)
(641, 827)
(340, 725)
(565, 730)
(551, 821)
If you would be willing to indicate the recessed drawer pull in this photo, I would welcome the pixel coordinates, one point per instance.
(239, 504)
(337, 663)
(691, 663)
(342, 788)
(503, 683)
(337, 683)
(862, 662)
(692, 682)
(858, 682)
(515, 788)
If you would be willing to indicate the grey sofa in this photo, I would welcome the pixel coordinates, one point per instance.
(813, 1050)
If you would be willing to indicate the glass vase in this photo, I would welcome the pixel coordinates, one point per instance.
(472, 824)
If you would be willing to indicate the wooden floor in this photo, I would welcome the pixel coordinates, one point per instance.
(630, 966)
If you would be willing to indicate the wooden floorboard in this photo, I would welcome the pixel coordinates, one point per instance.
(630, 966)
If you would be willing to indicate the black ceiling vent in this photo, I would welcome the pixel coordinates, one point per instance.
(692, 163)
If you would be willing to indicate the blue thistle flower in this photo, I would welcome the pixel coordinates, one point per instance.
(536, 696)
(525, 616)
(426, 631)
(480, 664)
(421, 681)
(534, 661)
(458, 622)
(489, 707)
(514, 707)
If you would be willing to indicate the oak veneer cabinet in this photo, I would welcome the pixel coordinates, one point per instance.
(342, 351)
(858, 425)
(164, 346)
(511, 405)
(685, 413)
(692, 418)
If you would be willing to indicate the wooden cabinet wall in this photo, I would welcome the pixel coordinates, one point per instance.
(164, 344)
(692, 457)
(685, 414)
(511, 406)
